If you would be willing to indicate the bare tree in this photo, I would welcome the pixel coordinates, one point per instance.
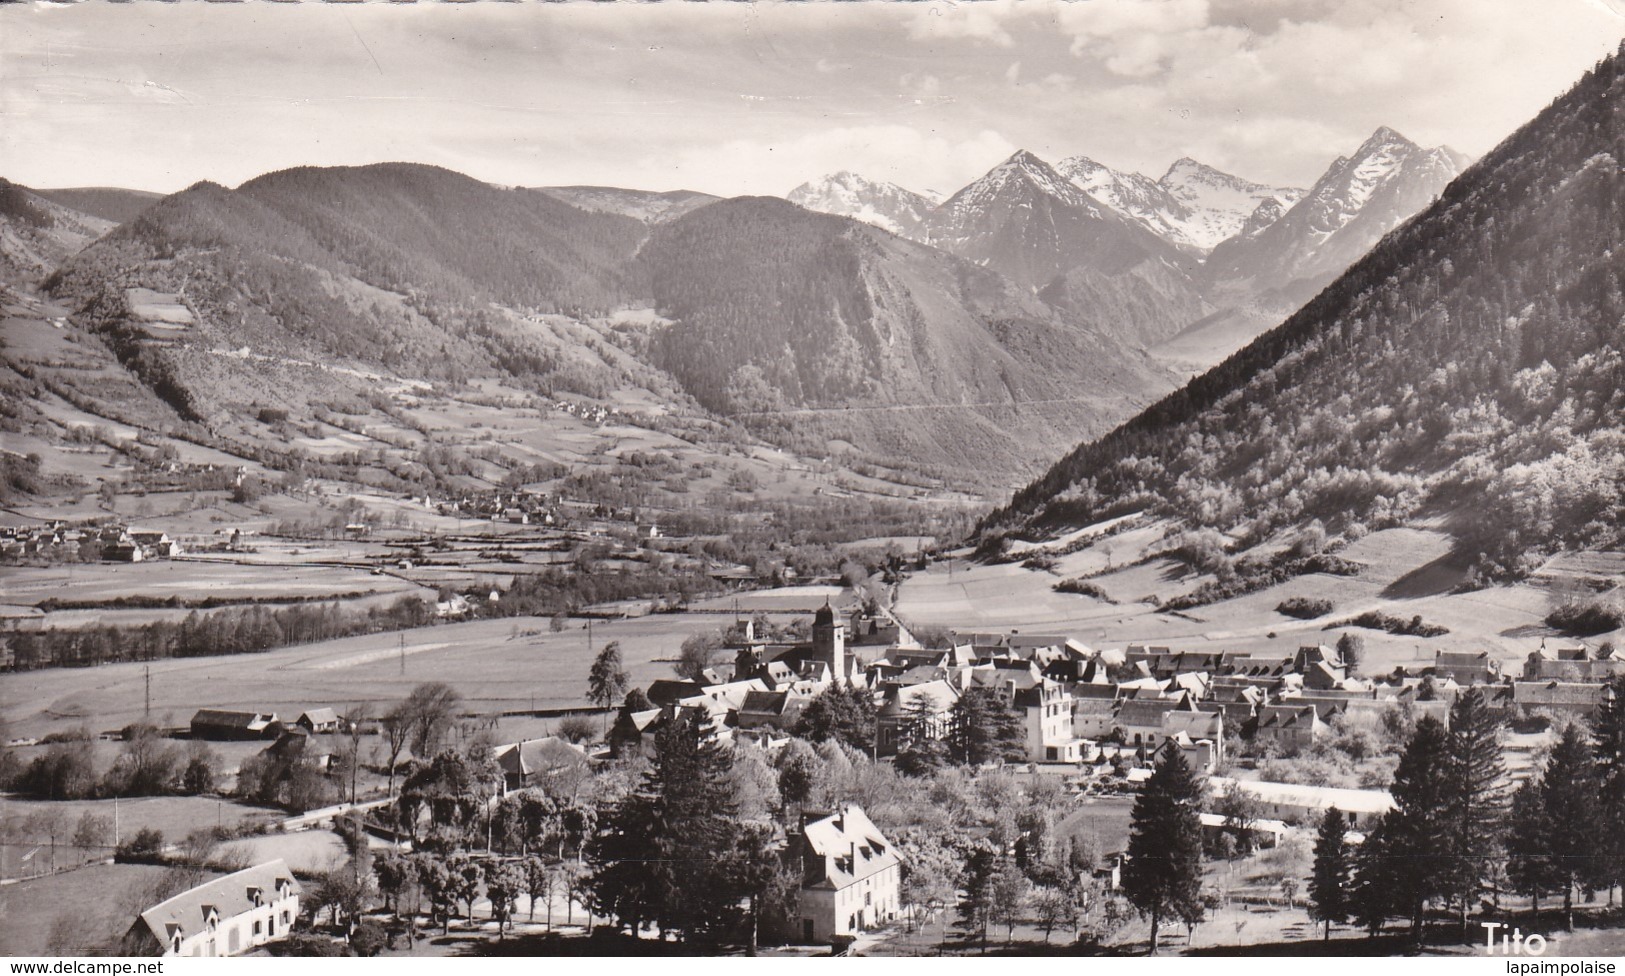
(397, 726)
(699, 651)
(431, 709)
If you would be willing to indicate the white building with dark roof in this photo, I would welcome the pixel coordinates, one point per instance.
(223, 917)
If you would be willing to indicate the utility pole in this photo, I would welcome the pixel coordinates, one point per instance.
(147, 712)
(403, 653)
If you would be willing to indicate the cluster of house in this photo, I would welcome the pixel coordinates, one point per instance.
(289, 741)
(519, 507)
(1070, 698)
(590, 412)
(115, 543)
(1084, 706)
(127, 545)
(32, 540)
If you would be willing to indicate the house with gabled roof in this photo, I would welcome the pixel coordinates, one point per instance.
(223, 917)
(1290, 726)
(219, 724)
(1467, 667)
(535, 761)
(1324, 676)
(1578, 699)
(851, 875)
(1572, 664)
(771, 710)
(318, 720)
(633, 732)
(1094, 710)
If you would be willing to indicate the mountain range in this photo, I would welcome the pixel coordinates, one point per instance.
(1467, 367)
(763, 311)
(1193, 205)
(1190, 266)
(1027, 308)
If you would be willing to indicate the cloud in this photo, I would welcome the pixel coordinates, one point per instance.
(921, 86)
(976, 20)
(664, 95)
(1131, 37)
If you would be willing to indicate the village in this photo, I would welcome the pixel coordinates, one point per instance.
(821, 723)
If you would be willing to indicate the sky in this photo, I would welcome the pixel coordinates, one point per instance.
(734, 98)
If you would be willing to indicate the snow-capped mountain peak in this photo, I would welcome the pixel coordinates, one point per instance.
(849, 194)
(1193, 206)
(1358, 200)
(1023, 172)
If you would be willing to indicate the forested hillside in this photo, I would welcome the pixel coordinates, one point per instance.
(106, 202)
(37, 233)
(1469, 365)
(776, 309)
(395, 266)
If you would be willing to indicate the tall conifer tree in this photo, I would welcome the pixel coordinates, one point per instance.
(1477, 805)
(1609, 748)
(1529, 864)
(1417, 831)
(1568, 792)
(1163, 876)
(1330, 887)
(661, 857)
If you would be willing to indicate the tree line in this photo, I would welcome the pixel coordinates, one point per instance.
(1459, 836)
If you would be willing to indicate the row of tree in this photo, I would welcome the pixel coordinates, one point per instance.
(1457, 832)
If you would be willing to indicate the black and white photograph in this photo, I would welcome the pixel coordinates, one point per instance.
(973, 479)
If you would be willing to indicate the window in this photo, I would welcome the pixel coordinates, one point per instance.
(259, 928)
(868, 899)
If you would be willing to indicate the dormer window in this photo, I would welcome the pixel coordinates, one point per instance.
(256, 895)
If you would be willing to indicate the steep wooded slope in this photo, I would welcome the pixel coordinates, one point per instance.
(1470, 364)
(779, 309)
(395, 265)
(107, 202)
(37, 234)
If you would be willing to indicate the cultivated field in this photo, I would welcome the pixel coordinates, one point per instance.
(75, 911)
(497, 665)
(1405, 573)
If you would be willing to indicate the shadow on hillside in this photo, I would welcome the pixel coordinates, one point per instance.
(1176, 571)
(1430, 579)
